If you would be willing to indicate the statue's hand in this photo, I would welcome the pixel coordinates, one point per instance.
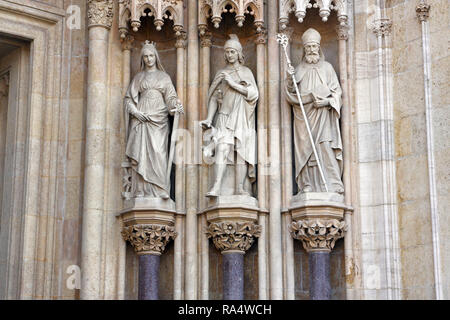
(290, 70)
(322, 102)
(206, 124)
(178, 108)
(140, 116)
(228, 79)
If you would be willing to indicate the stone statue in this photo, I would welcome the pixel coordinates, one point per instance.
(321, 96)
(232, 100)
(149, 100)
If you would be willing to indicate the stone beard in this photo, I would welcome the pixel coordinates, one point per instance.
(321, 95)
(232, 102)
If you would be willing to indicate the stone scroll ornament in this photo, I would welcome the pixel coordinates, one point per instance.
(314, 91)
(230, 123)
(150, 99)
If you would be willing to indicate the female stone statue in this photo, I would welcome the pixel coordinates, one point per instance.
(150, 98)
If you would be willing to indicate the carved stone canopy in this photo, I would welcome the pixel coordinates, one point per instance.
(214, 8)
(299, 7)
(131, 11)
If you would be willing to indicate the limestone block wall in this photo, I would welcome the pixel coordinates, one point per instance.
(424, 247)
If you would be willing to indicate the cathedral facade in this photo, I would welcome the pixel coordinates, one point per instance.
(235, 149)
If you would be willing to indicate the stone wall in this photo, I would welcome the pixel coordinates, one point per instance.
(419, 258)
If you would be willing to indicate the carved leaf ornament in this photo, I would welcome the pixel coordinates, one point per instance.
(236, 236)
(149, 237)
(317, 233)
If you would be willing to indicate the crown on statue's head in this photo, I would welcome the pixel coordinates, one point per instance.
(147, 45)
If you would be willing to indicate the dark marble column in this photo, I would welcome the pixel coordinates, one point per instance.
(233, 275)
(319, 275)
(149, 276)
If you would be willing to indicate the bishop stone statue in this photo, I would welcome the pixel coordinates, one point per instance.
(321, 95)
(232, 100)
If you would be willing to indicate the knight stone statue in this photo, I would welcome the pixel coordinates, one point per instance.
(232, 102)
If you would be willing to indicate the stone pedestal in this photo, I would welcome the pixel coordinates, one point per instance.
(148, 224)
(233, 229)
(318, 223)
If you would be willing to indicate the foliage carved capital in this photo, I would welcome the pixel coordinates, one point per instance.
(232, 235)
(318, 234)
(149, 238)
(100, 13)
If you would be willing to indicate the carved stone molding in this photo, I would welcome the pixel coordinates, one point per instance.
(205, 38)
(214, 8)
(229, 236)
(261, 36)
(4, 85)
(131, 11)
(299, 7)
(423, 11)
(100, 13)
(318, 234)
(382, 27)
(127, 43)
(181, 40)
(342, 31)
(149, 238)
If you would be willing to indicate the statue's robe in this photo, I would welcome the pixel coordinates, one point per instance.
(235, 116)
(147, 145)
(317, 81)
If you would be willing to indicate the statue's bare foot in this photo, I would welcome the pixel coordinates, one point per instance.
(242, 191)
(338, 189)
(165, 196)
(307, 189)
(212, 194)
(139, 194)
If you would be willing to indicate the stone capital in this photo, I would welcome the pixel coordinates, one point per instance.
(342, 31)
(4, 85)
(233, 236)
(423, 11)
(205, 38)
(127, 42)
(100, 13)
(181, 40)
(318, 234)
(149, 238)
(261, 37)
(382, 27)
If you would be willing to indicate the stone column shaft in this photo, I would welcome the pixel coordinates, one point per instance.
(91, 243)
(179, 175)
(261, 42)
(191, 262)
(233, 276)
(275, 266)
(149, 277)
(205, 44)
(319, 275)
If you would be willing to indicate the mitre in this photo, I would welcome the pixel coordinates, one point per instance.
(233, 43)
(311, 35)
